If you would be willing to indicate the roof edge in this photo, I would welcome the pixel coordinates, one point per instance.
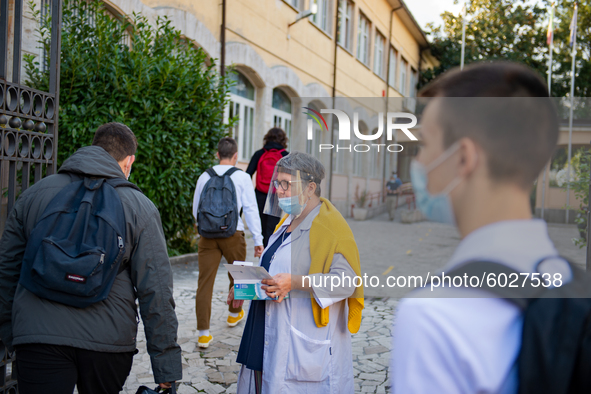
(411, 23)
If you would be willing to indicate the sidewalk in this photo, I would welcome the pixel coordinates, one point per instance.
(214, 370)
(424, 246)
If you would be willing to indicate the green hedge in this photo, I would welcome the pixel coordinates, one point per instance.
(161, 87)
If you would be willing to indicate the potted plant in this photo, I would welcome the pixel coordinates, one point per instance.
(360, 212)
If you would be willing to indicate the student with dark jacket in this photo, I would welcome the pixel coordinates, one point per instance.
(263, 163)
(60, 346)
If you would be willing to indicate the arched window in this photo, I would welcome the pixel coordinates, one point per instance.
(45, 15)
(340, 156)
(358, 157)
(375, 157)
(313, 145)
(281, 111)
(242, 105)
(117, 15)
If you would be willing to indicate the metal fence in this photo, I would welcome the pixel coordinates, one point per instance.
(7, 378)
(28, 125)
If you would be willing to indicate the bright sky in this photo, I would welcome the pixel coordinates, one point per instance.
(426, 11)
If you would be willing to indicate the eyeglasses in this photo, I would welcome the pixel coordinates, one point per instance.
(285, 185)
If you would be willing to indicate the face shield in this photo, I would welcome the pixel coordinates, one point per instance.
(286, 194)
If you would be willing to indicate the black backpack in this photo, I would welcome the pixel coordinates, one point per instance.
(75, 250)
(555, 355)
(217, 214)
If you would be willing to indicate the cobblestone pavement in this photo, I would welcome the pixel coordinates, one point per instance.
(214, 370)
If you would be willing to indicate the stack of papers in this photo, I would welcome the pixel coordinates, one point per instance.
(247, 280)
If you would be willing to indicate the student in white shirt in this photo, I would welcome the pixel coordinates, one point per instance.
(476, 168)
(211, 250)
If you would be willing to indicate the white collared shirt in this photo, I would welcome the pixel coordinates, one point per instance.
(298, 355)
(245, 199)
(462, 344)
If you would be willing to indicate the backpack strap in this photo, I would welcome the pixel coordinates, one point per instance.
(212, 172)
(120, 182)
(231, 171)
(516, 292)
(520, 295)
(114, 182)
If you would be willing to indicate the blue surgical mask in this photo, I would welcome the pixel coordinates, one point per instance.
(436, 207)
(291, 205)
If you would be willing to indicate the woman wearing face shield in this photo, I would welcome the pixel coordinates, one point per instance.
(302, 343)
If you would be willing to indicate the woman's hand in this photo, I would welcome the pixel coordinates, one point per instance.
(232, 301)
(279, 286)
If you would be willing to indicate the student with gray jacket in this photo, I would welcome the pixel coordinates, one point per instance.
(60, 346)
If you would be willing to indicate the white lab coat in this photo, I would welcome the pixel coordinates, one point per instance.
(300, 357)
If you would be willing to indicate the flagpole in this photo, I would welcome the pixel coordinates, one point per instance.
(551, 43)
(551, 39)
(572, 104)
(550, 69)
(570, 134)
(463, 36)
(549, 94)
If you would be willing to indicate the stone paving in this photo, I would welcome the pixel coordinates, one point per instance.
(214, 370)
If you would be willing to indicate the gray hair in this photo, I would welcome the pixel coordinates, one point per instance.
(310, 168)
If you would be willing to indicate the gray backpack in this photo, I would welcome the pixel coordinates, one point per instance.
(217, 214)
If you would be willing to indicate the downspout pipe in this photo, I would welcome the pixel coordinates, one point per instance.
(223, 41)
(388, 92)
(334, 95)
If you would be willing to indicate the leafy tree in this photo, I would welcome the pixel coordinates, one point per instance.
(151, 79)
(580, 186)
(515, 30)
(561, 79)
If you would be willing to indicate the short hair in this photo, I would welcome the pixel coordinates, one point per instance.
(117, 139)
(309, 167)
(276, 135)
(227, 148)
(513, 120)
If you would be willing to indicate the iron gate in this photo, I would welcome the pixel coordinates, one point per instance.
(28, 126)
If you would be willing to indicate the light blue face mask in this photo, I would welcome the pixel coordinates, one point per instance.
(291, 205)
(436, 207)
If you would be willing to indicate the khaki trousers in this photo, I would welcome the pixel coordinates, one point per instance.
(391, 201)
(210, 254)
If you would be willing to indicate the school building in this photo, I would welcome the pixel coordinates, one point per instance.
(354, 48)
(553, 195)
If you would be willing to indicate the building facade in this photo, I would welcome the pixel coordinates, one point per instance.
(352, 48)
(553, 196)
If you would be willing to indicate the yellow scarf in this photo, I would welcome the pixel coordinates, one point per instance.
(330, 234)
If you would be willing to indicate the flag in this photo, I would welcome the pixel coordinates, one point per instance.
(550, 34)
(573, 28)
